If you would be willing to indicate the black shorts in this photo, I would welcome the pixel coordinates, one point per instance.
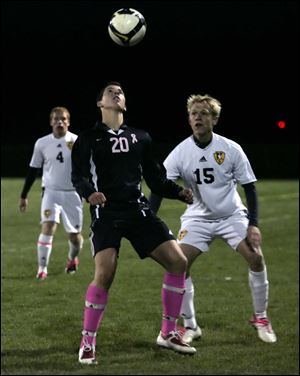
(143, 229)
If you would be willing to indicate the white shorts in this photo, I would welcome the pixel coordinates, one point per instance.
(66, 204)
(200, 233)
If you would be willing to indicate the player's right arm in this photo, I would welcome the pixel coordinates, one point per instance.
(32, 174)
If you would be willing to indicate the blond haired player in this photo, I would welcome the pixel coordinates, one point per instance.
(212, 165)
(52, 153)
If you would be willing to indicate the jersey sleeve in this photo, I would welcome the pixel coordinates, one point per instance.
(155, 174)
(37, 158)
(154, 202)
(242, 169)
(173, 173)
(81, 166)
(171, 165)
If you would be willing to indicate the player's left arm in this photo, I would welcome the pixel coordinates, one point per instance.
(154, 202)
(155, 175)
(30, 178)
(80, 156)
(170, 164)
(253, 233)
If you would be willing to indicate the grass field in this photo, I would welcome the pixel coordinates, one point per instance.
(42, 321)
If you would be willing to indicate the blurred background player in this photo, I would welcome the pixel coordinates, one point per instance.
(52, 153)
(212, 166)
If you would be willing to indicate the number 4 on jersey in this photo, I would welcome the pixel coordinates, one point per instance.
(60, 157)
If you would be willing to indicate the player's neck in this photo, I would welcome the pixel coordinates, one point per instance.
(112, 119)
(203, 139)
(59, 135)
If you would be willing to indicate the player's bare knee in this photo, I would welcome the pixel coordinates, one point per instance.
(256, 262)
(183, 263)
(179, 264)
(49, 228)
(75, 238)
(103, 279)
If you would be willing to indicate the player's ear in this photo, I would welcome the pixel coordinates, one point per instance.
(215, 120)
(99, 104)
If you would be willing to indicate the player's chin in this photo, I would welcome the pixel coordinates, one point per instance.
(60, 132)
(199, 129)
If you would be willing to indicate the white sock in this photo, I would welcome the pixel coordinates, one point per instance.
(74, 249)
(44, 248)
(187, 308)
(259, 285)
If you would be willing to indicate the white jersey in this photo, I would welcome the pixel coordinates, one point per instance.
(54, 156)
(212, 173)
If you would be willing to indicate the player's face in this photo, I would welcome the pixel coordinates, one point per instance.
(201, 120)
(113, 98)
(59, 123)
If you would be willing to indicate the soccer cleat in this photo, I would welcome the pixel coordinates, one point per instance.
(41, 276)
(173, 341)
(189, 334)
(87, 353)
(72, 266)
(264, 329)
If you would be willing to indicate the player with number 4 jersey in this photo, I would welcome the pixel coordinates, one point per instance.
(52, 154)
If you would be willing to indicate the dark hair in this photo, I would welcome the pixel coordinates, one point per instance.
(100, 94)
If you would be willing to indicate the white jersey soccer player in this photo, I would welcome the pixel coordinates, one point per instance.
(212, 166)
(60, 197)
(52, 154)
(213, 174)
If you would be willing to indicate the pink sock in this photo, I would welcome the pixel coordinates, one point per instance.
(172, 295)
(95, 301)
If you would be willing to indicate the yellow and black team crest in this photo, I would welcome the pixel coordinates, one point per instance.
(47, 213)
(219, 157)
(182, 234)
(70, 144)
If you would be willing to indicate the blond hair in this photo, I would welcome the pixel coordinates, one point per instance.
(213, 103)
(59, 110)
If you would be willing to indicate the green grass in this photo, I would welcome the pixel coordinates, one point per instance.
(42, 321)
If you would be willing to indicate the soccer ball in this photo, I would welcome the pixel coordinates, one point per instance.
(127, 27)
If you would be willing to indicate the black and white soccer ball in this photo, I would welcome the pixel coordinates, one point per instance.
(127, 27)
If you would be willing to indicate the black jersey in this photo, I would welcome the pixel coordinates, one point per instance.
(115, 163)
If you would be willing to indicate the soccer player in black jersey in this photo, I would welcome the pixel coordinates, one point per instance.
(108, 164)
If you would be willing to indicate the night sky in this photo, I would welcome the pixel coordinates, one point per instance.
(244, 53)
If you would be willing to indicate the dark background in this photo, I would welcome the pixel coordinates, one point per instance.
(244, 53)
